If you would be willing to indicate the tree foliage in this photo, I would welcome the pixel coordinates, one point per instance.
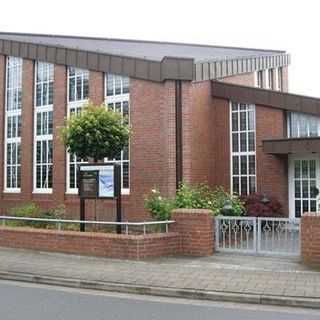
(96, 133)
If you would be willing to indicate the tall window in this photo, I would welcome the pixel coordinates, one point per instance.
(280, 79)
(117, 99)
(43, 127)
(260, 82)
(270, 79)
(303, 125)
(78, 94)
(243, 148)
(13, 125)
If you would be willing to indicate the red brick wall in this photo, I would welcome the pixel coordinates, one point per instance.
(195, 227)
(310, 239)
(96, 87)
(152, 142)
(59, 151)
(27, 130)
(272, 172)
(221, 163)
(245, 79)
(93, 244)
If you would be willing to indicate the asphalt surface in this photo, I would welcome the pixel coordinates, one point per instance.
(29, 301)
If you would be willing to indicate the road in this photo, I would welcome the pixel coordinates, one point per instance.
(30, 301)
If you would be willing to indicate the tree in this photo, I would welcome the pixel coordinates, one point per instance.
(96, 133)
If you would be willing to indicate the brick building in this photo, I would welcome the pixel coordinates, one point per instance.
(220, 115)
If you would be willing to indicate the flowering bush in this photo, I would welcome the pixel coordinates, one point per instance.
(159, 207)
(255, 207)
(192, 197)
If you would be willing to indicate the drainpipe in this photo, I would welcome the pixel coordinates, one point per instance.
(178, 111)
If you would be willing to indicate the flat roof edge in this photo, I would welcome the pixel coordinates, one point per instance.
(265, 97)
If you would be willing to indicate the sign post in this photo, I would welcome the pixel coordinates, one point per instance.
(99, 181)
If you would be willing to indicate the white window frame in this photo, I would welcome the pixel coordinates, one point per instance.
(9, 113)
(122, 97)
(77, 105)
(242, 153)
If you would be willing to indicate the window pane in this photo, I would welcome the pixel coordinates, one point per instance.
(243, 121)
(110, 85)
(235, 162)
(235, 142)
(252, 164)
(125, 83)
(243, 161)
(117, 85)
(243, 142)
(244, 186)
(235, 121)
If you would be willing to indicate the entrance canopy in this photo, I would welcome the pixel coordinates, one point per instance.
(292, 145)
(266, 97)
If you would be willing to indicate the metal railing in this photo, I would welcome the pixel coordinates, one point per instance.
(266, 236)
(60, 222)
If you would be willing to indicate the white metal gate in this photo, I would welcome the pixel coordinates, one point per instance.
(266, 236)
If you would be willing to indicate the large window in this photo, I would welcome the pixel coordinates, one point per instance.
(270, 79)
(280, 78)
(117, 99)
(43, 127)
(13, 125)
(302, 125)
(259, 76)
(243, 148)
(78, 94)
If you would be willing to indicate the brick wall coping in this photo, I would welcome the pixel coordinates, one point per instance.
(96, 235)
(193, 211)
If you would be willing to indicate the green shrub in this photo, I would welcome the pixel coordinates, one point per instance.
(159, 207)
(189, 196)
(201, 196)
(31, 210)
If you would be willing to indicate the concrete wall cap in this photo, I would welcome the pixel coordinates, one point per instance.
(192, 211)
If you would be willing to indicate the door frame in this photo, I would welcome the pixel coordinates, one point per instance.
(291, 158)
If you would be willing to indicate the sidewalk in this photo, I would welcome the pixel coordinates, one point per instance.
(220, 277)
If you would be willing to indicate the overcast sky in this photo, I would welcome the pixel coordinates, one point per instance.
(272, 24)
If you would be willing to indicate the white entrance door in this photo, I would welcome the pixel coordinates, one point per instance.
(304, 174)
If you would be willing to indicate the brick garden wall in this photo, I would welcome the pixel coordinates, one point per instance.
(192, 235)
(310, 239)
(92, 244)
(196, 229)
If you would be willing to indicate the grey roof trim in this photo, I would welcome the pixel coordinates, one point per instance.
(168, 68)
(264, 97)
(211, 70)
(173, 68)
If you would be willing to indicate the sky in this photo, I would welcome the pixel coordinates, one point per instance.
(272, 24)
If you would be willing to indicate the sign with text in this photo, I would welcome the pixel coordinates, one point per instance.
(97, 181)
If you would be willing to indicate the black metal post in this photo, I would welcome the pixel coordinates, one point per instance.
(118, 196)
(82, 214)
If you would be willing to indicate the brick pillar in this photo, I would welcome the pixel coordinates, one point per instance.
(59, 114)
(310, 239)
(96, 83)
(27, 130)
(195, 227)
(2, 112)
